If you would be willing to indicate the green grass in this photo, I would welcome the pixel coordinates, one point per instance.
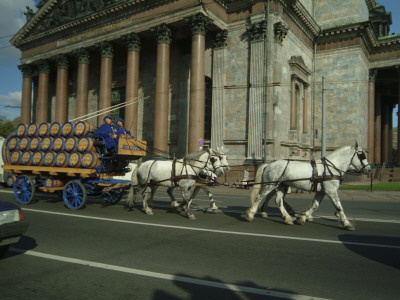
(379, 186)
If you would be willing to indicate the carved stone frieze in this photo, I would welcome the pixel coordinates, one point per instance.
(83, 56)
(220, 39)
(62, 61)
(26, 70)
(198, 23)
(163, 33)
(372, 74)
(133, 41)
(280, 32)
(256, 31)
(43, 66)
(106, 49)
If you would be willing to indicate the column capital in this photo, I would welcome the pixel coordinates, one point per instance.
(372, 73)
(256, 31)
(220, 39)
(106, 49)
(83, 55)
(163, 33)
(26, 70)
(43, 66)
(198, 23)
(280, 32)
(132, 41)
(62, 61)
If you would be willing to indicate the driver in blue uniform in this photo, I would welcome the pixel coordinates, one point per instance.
(121, 130)
(109, 133)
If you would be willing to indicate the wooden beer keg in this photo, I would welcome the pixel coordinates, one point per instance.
(33, 129)
(49, 159)
(83, 128)
(44, 129)
(21, 130)
(11, 179)
(13, 143)
(90, 160)
(67, 129)
(70, 143)
(26, 158)
(58, 143)
(34, 143)
(50, 182)
(55, 129)
(46, 143)
(15, 157)
(62, 159)
(24, 143)
(86, 144)
(74, 159)
(37, 158)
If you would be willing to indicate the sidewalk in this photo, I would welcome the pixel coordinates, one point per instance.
(343, 194)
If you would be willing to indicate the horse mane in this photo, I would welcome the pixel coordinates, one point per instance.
(340, 150)
(195, 155)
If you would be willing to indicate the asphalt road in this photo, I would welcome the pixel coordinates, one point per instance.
(112, 252)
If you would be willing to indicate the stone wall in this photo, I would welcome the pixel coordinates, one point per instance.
(346, 84)
(331, 13)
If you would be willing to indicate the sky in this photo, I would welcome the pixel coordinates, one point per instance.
(12, 19)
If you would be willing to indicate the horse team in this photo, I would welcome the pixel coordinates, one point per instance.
(322, 177)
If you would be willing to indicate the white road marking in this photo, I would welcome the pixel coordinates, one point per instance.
(217, 231)
(220, 285)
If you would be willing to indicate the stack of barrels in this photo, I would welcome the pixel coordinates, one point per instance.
(67, 145)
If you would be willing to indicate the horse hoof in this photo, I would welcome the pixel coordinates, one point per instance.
(264, 215)
(349, 227)
(310, 219)
(149, 212)
(191, 216)
(288, 222)
(175, 204)
(301, 220)
(214, 210)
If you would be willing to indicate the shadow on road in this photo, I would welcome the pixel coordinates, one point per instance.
(384, 250)
(211, 288)
(25, 243)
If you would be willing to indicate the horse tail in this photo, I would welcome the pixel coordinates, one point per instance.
(131, 199)
(256, 187)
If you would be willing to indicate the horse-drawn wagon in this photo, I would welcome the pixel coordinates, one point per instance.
(68, 159)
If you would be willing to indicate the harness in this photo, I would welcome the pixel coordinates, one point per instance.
(315, 179)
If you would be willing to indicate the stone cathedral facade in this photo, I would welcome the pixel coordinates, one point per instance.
(246, 75)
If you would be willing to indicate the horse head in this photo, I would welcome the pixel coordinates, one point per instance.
(223, 158)
(359, 160)
(213, 162)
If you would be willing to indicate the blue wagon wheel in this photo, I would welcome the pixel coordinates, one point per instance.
(74, 194)
(24, 189)
(114, 196)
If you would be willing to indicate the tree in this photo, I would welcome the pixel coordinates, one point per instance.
(6, 127)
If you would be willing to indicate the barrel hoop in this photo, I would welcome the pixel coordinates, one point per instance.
(55, 129)
(67, 129)
(37, 158)
(34, 144)
(49, 159)
(74, 159)
(61, 159)
(21, 130)
(44, 129)
(46, 143)
(15, 156)
(32, 129)
(26, 158)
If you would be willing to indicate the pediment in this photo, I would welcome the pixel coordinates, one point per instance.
(60, 14)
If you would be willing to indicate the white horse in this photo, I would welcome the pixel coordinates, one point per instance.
(181, 173)
(275, 178)
(213, 207)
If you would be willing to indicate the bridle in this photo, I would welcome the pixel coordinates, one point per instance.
(361, 157)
